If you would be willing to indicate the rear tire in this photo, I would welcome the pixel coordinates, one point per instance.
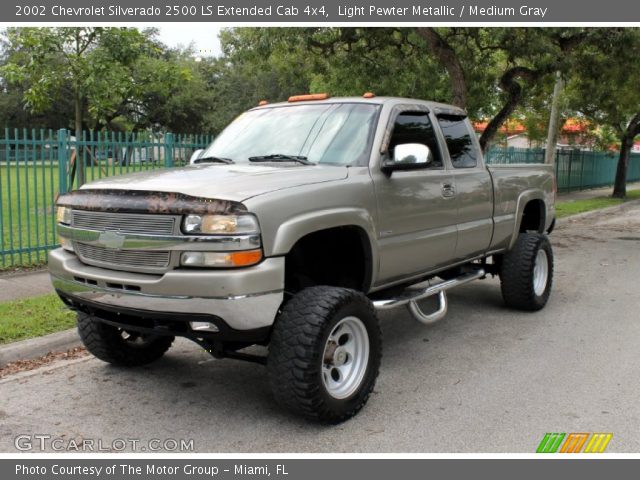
(120, 347)
(324, 354)
(526, 272)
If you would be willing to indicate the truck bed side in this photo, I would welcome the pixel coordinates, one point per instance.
(518, 187)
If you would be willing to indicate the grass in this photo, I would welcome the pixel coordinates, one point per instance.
(33, 317)
(573, 207)
(26, 209)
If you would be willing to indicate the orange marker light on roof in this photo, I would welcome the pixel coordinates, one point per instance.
(311, 96)
(369, 95)
(262, 102)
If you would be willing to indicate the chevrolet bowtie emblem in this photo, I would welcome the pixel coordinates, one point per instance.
(111, 240)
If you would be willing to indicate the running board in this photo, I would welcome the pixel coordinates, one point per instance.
(417, 292)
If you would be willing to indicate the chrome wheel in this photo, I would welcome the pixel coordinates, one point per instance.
(540, 272)
(345, 357)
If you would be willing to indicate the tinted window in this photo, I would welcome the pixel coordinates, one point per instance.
(415, 127)
(462, 149)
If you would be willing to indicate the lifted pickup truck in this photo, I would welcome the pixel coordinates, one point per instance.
(292, 229)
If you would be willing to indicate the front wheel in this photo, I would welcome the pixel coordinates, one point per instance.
(118, 346)
(324, 354)
(526, 272)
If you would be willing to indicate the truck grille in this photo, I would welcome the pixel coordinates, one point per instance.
(125, 222)
(122, 259)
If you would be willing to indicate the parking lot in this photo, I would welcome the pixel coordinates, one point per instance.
(485, 379)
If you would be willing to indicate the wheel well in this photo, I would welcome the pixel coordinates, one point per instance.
(533, 217)
(339, 257)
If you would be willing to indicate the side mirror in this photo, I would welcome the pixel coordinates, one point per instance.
(408, 156)
(195, 156)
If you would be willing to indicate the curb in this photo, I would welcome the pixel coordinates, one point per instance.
(39, 346)
(579, 216)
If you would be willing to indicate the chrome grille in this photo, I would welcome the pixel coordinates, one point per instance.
(122, 259)
(148, 224)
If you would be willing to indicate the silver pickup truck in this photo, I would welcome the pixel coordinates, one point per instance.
(291, 230)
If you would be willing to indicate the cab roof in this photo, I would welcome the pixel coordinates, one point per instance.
(436, 107)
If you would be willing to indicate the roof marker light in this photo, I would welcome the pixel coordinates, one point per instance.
(311, 96)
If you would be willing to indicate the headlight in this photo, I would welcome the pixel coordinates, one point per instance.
(220, 224)
(221, 259)
(63, 215)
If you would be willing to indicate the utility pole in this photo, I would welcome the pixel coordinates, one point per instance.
(552, 134)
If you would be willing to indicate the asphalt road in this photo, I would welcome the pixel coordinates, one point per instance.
(486, 379)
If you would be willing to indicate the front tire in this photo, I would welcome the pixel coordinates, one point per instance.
(324, 354)
(526, 272)
(120, 347)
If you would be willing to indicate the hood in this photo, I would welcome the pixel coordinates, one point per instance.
(226, 182)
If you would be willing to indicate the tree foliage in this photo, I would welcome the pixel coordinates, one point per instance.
(604, 88)
(119, 78)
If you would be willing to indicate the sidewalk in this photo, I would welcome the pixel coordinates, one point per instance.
(24, 285)
(593, 193)
(32, 284)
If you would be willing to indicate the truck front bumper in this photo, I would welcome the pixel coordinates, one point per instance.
(241, 303)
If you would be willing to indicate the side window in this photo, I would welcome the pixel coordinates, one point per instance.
(462, 149)
(415, 127)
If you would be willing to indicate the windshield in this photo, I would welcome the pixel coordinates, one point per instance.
(335, 133)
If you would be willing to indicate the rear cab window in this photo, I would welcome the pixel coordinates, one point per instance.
(462, 148)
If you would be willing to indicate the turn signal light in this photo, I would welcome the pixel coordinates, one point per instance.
(221, 259)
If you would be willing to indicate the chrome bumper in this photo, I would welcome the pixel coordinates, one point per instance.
(244, 299)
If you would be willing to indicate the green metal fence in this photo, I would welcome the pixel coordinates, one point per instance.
(501, 156)
(36, 166)
(575, 169)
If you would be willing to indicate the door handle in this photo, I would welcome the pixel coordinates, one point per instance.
(448, 190)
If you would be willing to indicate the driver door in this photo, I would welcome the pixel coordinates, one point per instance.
(416, 205)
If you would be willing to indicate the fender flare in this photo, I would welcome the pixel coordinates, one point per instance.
(523, 199)
(295, 228)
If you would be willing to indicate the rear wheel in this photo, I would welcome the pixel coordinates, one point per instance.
(325, 353)
(118, 346)
(526, 272)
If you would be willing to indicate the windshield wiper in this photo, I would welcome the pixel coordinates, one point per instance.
(279, 157)
(226, 161)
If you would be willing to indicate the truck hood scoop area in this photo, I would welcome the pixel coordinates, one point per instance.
(127, 201)
(235, 182)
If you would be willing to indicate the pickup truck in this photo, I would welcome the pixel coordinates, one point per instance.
(299, 223)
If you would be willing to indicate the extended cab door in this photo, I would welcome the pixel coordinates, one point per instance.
(416, 208)
(473, 188)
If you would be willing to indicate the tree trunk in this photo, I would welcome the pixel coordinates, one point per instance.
(450, 61)
(552, 133)
(513, 89)
(626, 143)
(620, 185)
(77, 99)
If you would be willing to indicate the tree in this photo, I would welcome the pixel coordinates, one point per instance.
(84, 60)
(505, 61)
(487, 71)
(13, 113)
(605, 89)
